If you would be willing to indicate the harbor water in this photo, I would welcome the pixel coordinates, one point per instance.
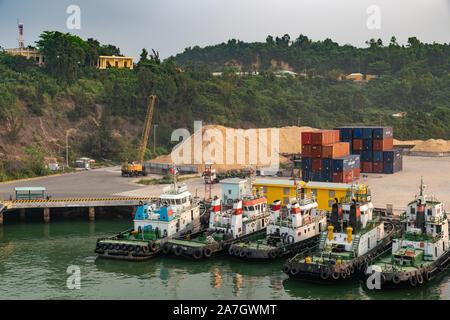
(37, 261)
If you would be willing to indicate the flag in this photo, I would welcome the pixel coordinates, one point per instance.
(171, 171)
(295, 182)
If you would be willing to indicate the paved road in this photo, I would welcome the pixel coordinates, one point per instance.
(102, 182)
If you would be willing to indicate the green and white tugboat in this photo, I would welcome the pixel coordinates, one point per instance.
(175, 213)
(292, 230)
(423, 249)
(355, 236)
(248, 216)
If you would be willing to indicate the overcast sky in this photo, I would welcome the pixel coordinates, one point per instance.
(169, 26)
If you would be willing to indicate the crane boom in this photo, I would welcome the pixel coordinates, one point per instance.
(146, 130)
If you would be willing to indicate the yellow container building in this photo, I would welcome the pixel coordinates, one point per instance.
(276, 189)
(113, 61)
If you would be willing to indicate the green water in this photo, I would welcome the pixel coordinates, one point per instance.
(34, 258)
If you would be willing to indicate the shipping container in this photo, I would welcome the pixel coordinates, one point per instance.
(306, 164)
(383, 144)
(322, 137)
(316, 175)
(357, 144)
(337, 177)
(358, 152)
(393, 167)
(345, 132)
(306, 175)
(336, 150)
(377, 156)
(316, 151)
(390, 155)
(327, 176)
(306, 150)
(316, 164)
(377, 167)
(350, 142)
(327, 164)
(297, 163)
(366, 156)
(366, 167)
(356, 172)
(346, 163)
(357, 133)
(344, 177)
(306, 138)
(367, 132)
(383, 133)
(367, 144)
(347, 176)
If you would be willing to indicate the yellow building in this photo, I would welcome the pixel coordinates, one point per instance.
(355, 76)
(113, 61)
(276, 189)
(285, 191)
(28, 53)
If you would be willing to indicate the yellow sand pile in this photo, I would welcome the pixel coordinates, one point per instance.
(432, 145)
(216, 138)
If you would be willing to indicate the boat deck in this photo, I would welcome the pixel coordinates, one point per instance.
(385, 263)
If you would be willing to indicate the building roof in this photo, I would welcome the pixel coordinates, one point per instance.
(29, 189)
(116, 57)
(280, 182)
(329, 185)
(233, 180)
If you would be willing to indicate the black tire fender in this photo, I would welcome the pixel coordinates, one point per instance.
(419, 278)
(207, 252)
(286, 268)
(198, 254)
(231, 250)
(428, 275)
(324, 274)
(396, 279)
(335, 275)
(295, 270)
(413, 280)
(152, 246)
(178, 250)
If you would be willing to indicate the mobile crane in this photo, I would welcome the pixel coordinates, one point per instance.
(136, 168)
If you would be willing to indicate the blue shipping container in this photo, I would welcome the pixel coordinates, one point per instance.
(377, 156)
(367, 144)
(345, 132)
(383, 133)
(357, 133)
(367, 156)
(306, 163)
(358, 152)
(306, 175)
(316, 175)
(327, 176)
(346, 163)
(390, 155)
(367, 132)
(327, 164)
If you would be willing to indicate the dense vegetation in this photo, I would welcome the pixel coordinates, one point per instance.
(414, 78)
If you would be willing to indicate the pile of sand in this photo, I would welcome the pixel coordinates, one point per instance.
(432, 145)
(289, 142)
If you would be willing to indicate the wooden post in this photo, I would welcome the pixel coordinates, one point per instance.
(1, 219)
(46, 215)
(22, 214)
(91, 213)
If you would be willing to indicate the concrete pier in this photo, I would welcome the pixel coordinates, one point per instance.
(22, 214)
(46, 215)
(91, 214)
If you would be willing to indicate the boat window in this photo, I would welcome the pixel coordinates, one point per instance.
(251, 208)
(286, 190)
(331, 194)
(430, 211)
(412, 210)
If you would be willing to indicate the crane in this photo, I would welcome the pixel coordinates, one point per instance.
(137, 168)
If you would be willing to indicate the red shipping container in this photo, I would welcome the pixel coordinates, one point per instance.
(347, 176)
(336, 150)
(383, 144)
(356, 173)
(377, 167)
(322, 137)
(337, 177)
(316, 151)
(317, 164)
(306, 138)
(306, 150)
(366, 167)
(357, 144)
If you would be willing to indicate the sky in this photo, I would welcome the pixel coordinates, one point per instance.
(169, 26)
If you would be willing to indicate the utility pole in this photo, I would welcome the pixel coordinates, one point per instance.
(67, 148)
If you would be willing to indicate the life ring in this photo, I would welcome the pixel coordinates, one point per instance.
(325, 274)
(295, 270)
(178, 250)
(197, 254)
(231, 250)
(413, 280)
(207, 252)
(286, 268)
(396, 279)
(419, 278)
(428, 275)
(335, 275)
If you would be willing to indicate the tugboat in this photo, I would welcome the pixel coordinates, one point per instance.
(174, 214)
(354, 237)
(248, 216)
(423, 249)
(289, 232)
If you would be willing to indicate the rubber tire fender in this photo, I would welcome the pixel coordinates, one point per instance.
(419, 278)
(335, 275)
(295, 270)
(395, 279)
(152, 246)
(207, 252)
(272, 254)
(348, 272)
(231, 250)
(243, 253)
(198, 254)
(178, 251)
(167, 248)
(286, 268)
(413, 280)
(237, 251)
(428, 275)
(352, 269)
(324, 274)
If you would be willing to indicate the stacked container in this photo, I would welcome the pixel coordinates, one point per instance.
(320, 150)
(372, 143)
